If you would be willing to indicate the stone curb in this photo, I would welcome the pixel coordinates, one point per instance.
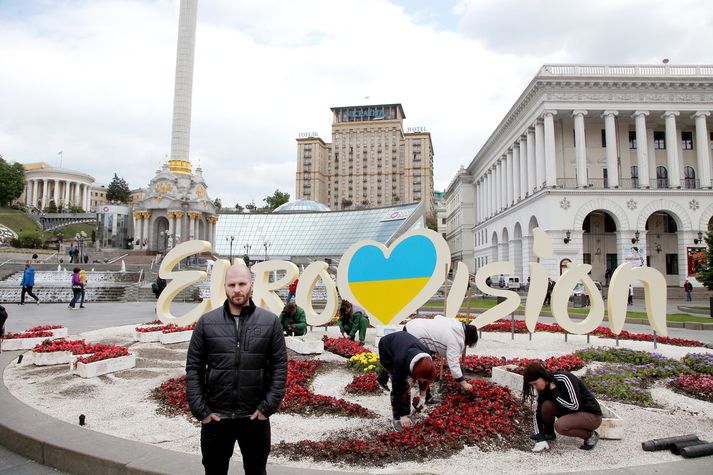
(80, 450)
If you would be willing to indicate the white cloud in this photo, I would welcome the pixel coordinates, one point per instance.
(95, 78)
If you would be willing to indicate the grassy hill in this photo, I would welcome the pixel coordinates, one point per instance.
(17, 221)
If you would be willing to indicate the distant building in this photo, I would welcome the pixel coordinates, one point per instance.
(54, 187)
(439, 203)
(371, 161)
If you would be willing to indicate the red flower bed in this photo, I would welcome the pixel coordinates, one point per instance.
(172, 396)
(476, 417)
(699, 386)
(343, 346)
(482, 364)
(104, 352)
(364, 384)
(42, 328)
(155, 328)
(153, 322)
(171, 328)
(38, 334)
(554, 363)
(77, 347)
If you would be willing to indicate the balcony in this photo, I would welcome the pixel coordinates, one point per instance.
(627, 183)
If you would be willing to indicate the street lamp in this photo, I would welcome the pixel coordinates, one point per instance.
(81, 237)
(230, 239)
(266, 245)
(247, 254)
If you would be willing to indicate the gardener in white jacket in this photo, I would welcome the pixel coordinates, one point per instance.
(448, 337)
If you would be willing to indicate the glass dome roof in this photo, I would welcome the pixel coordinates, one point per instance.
(301, 206)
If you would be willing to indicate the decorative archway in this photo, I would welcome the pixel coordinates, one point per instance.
(600, 247)
(517, 251)
(160, 234)
(676, 210)
(616, 212)
(505, 251)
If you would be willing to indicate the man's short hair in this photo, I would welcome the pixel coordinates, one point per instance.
(471, 335)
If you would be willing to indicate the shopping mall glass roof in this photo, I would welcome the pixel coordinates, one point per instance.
(312, 234)
(299, 206)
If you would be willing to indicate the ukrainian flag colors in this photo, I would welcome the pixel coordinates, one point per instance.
(384, 286)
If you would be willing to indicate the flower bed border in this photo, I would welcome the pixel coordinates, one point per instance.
(111, 365)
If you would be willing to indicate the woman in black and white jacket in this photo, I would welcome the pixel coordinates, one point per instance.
(564, 404)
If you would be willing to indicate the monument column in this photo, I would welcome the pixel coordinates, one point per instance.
(183, 91)
(580, 148)
(642, 154)
(612, 159)
(702, 150)
(674, 170)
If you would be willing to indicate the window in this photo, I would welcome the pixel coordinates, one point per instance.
(672, 264)
(669, 224)
(632, 140)
(687, 140)
(661, 177)
(586, 258)
(605, 177)
(604, 138)
(635, 175)
(659, 140)
(609, 224)
(689, 175)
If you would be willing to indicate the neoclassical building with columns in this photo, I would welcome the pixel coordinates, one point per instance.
(46, 186)
(176, 208)
(613, 162)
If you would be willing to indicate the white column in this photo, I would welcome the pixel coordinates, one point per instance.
(580, 148)
(44, 193)
(531, 160)
(702, 149)
(550, 157)
(28, 190)
(477, 201)
(496, 187)
(86, 198)
(674, 170)
(642, 148)
(35, 190)
(135, 228)
(65, 194)
(509, 180)
(523, 167)
(183, 91)
(491, 190)
(503, 182)
(486, 193)
(215, 230)
(612, 159)
(190, 227)
(539, 155)
(516, 172)
(145, 232)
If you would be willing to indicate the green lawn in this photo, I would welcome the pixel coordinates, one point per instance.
(17, 220)
(68, 232)
(484, 304)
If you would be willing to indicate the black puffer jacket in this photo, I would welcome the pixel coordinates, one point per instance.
(233, 375)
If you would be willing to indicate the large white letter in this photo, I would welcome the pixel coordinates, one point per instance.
(512, 299)
(542, 247)
(655, 294)
(560, 298)
(217, 283)
(305, 287)
(264, 294)
(458, 290)
(179, 281)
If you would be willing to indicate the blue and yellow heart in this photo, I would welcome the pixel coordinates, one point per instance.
(384, 286)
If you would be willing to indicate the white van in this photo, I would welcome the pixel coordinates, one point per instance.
(512, 282)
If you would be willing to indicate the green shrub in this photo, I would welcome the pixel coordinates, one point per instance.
(27, 240)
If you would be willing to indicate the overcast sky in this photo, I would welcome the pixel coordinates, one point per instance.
(94, 78)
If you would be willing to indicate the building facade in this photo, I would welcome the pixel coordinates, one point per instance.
(371, 161)
(613, 162)
(460, 219)
(54, 187)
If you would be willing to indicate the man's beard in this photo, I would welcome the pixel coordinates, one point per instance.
(239, 299)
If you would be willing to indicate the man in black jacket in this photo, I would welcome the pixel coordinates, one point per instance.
(236, 369)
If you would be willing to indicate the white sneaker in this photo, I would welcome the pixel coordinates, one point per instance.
(541, 446)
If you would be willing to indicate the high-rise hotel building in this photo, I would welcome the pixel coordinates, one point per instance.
(371, 161)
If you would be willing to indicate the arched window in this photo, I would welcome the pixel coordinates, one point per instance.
(634, 176)
(689, 175)
(661, 177)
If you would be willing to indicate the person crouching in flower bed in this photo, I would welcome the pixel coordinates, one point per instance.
(293, 320)
(564, 397)
(353, 318)
(407, 362)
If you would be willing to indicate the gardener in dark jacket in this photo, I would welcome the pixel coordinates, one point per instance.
(408, 362)
(561, 396)
(353, 319)
(293, 320)
(236, 369)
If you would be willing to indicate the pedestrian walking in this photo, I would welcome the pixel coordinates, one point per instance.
(630, 301)
(550, 288)
(27, 283)
(76, 287)
(564, 397)
(236, 371)
(688, 288)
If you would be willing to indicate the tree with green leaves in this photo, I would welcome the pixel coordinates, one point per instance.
(276, 199)
(118, 190)
(12, 181)
(705, 275)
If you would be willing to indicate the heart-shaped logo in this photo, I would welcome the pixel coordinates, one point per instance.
(391, 283)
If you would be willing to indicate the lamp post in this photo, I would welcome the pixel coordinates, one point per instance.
(266, 245)
(247, 254)
(81, 237)
(230, 239)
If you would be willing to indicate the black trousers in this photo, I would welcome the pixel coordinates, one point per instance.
(218, 442)
(27, 289)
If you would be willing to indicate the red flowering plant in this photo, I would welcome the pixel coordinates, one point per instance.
(171, 328)
(34, 334)
(554, 363)
(343, 346)
(172, 397)
(484, 416)
(153, 328)
(42, 328)
(364, 384)
(104, 352)
(699, 386)
(76, 347)
(153, 322)
(482, 365)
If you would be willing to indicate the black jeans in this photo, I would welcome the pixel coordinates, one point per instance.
(76, 294)
(27, 289)
(218, 442)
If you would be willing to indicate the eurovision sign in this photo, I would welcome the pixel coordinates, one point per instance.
(391, 283)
